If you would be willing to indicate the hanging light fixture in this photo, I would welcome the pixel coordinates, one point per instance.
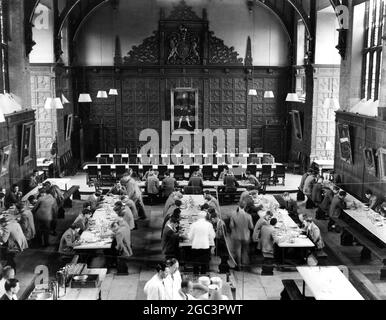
(53, 103)
(268, 94)
(113, 92)
(252, 92)
(292, 97)
(84, 98)
(64, 99)
(102, 94)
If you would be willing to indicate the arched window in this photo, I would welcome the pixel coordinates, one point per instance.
(372, 53)
(4, 23)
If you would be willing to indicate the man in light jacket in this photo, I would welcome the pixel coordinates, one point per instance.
(201, 236)
(241, 225)
(268, 238)
(155, 287)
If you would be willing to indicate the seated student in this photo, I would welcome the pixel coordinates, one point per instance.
(381, 209)
(196, 181)
(313, 232)
(223, 174)
(252, 179)
(131, 205)
(82, 220)
(176, 215)
(212, 201)
(185, 293)
(69, 240)
(12, 287)
(268, 238)
(372, 199)
(34, 179)
(176, 195)
(169, 183)
(257, 230)
(13, 196)
(177, 204)
(291, 206)
(94, 199)
(117, 189)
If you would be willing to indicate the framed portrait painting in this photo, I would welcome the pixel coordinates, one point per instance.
(382, 163)
(184, 110)
(297, 125)
(345, 143)
(369, 159)
(26, 143)
(5, 157)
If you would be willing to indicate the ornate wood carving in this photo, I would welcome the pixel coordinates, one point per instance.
(183, 47)
(219, 53)
(183, 12)
(146, 53)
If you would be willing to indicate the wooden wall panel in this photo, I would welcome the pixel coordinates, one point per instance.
(144, 102)
(365, 132)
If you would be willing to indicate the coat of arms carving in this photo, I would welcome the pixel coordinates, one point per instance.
(183, 47)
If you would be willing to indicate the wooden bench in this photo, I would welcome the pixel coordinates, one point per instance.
(67, 202)
(291, 291)
(368, 245)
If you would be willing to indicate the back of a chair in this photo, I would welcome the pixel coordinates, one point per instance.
(280, 170)
(117, 158)
(92, 170)
(266, 169)
(193, 169)
(161, 170)
(105, 170)
(179, 172)
(102, 160)
(251, 169)
(120, 171)
(135, 168)
(207, 172)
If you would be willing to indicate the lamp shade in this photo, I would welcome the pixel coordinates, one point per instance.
(84, 98)
(102, 94)
(64, 99)
(252, 92)
(53, 103)
(2, 118)
(113, 92)
(269, 94)
(292, 97)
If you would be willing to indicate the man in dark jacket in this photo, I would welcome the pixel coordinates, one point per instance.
(196, 181)
(12, 287)
(291, 206)
(170, 239)
(316, 195)
(337, 206)
(169, 183)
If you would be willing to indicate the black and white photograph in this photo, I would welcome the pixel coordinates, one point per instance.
(159, 151)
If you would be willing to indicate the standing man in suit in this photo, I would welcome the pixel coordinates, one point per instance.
(152, 186)
(230, 184)
(169, 183)
(316, 194)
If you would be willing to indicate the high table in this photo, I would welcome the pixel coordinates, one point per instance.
(328, 283)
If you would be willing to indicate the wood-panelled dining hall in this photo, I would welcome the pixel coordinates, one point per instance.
(192, 150)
